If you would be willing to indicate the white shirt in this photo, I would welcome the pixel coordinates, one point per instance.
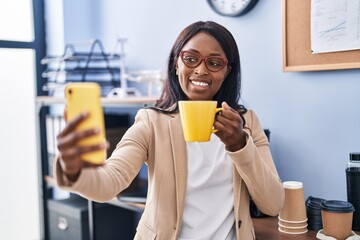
(209, 201)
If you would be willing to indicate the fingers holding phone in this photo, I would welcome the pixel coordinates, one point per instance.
(83, 105)
(82, 142)
(71, 152)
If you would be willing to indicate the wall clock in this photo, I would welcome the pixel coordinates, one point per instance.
(232, 8)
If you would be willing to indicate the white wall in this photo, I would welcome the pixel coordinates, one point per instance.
(313, 117)
(19, 175)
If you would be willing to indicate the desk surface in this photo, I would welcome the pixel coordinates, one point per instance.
(267, 229)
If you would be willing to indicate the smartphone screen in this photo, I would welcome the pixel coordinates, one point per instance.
(85, 97)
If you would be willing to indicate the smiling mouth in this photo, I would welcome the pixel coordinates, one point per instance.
(199, 83)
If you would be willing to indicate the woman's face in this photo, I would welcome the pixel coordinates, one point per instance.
(199, 83)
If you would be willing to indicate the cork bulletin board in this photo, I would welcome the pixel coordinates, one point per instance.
(297, 47)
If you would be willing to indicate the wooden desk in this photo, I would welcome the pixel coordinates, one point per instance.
(267, 229)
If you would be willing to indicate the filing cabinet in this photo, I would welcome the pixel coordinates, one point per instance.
(68, 220)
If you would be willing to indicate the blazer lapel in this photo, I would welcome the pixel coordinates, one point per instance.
(180, 163)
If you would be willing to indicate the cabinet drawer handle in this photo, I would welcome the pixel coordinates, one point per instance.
(62, 223)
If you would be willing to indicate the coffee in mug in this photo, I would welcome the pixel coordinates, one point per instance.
(197, 119)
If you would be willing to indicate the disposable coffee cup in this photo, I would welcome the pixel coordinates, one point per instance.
(314, 213)
(284, 225)
(290, 224)
(294, 209)
(337, 218)
(197, 119)
(292, 230)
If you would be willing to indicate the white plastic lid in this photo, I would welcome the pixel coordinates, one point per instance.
(292, 184)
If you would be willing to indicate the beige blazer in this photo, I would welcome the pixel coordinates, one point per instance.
(156, 139)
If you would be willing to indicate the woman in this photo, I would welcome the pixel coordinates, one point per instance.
(195, 190)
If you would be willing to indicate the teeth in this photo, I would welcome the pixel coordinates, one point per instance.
(196, 83)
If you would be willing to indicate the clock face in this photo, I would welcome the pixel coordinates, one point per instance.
(232, 8)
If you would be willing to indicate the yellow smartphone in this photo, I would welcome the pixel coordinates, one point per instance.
(85, 97)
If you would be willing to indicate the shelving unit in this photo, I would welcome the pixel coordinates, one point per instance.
(94, 65)
(43, 101)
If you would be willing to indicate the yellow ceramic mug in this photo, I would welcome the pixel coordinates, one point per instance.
(197, 119)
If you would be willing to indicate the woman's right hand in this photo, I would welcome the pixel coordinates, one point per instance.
(70, 152)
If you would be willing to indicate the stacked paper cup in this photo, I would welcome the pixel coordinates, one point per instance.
(292, 218)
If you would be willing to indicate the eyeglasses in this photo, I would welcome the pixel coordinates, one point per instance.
(212, 63)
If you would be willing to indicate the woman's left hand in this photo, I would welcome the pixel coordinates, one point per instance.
(230, 128)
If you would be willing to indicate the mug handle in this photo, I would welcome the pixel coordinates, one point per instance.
(216, 111)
